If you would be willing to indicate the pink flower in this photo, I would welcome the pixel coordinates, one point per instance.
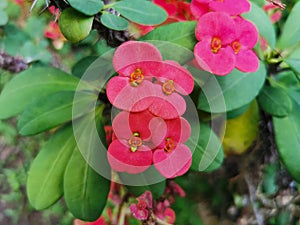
(142, 63)
(163, 212)
(225, 43)
(100, 221)
(174, 188)
(131, 151)
(273, 11)
(232, 7)
(172, 158)
(141, 209)
(215, 32)
(246, 39)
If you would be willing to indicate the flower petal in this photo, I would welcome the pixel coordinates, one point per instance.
(167, 70)
(216, 24)
(221, 63)
(173, 164)
(178, 129)
(247, 33)
(134, 51)
(127, 97)
(167, 106)
(137, 213)
(247, 61)
(232, 7)
(147, 197)
(199, 8)
(122, 159)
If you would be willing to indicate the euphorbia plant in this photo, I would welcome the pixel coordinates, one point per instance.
(152, 109)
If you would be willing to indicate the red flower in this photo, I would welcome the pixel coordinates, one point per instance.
(273, 11)
(131, 151)
(232, 7)
(141, 209)
(172, 158)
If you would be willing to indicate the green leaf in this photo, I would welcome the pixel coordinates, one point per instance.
(181, 33)
(227, 93)
(262, 22)
(208, 154)
(53, 110)
(82, 65)
(3, 18)
(45, 178)
(275, 101)
(237, 112)
(293, 60)
(74, 25)
(85, 190)
(287, 137)
(87, 7)
(157, 189)
(141, 12)
(290, 34)
(114, 22)
(32, 84)
(3, 4)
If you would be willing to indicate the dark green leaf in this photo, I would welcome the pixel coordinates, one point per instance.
(53, 110)
(30, 85)
(290, 33)
(237, 112)
(82, 65)
(114, 22)
(157, 190)
(227, 93)
(87, 7)
(263, 23)
(141, 12)
(275, 101)
(208, 154)
(287, 136)
(181, 33)
(45, 178)
(85, 190)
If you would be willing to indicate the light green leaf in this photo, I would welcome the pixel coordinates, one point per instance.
(87, 7)
(208, 154)
(181, 33)
(234, 90)
(85, 190)
(114, 22)
(141, 12)
(53, 110)
(45, 178)
(275, 101)
(74, 25)
(293, 60)
(3, 18)
(262, 22)
(290, 33)
(32, 84)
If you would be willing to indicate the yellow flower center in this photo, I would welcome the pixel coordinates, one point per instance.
(169, 145)
(135, 141)
(236, 46)
(168, 87)
(215, 44)
(136, 77)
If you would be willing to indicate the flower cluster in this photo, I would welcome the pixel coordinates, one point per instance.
(225, 38)
(157, 210)
(149, 129)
